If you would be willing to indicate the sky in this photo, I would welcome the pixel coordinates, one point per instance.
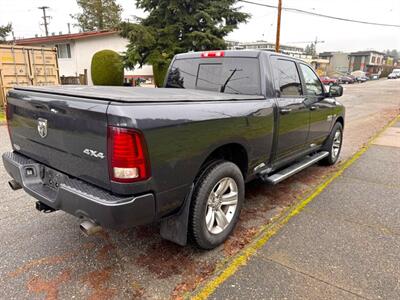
(296, 29)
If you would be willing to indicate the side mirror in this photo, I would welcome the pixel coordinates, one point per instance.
(335, 91)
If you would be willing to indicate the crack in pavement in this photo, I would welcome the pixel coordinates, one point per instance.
(315, 278)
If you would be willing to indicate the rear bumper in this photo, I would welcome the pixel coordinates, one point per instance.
(79, 198)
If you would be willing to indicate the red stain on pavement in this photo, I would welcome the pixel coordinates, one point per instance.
(165, 259)
(105, 252)
(52, 260)
(98, 280)
(49, 287)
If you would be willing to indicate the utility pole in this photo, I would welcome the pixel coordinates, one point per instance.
(278, 27)
(69, 28)
(315, 44)
(45, 21)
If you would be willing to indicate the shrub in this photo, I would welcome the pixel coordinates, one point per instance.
(107, 68)
(160, 69)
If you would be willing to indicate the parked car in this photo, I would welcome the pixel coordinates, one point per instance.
(362, 79)
(121, 156)
(395, 74)
(352, 77)
(345, 80)
(374, 76)
(328, 80)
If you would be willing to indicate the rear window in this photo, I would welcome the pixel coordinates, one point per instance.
(230, 75)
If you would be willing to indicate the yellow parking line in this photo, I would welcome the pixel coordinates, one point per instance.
(268, 231)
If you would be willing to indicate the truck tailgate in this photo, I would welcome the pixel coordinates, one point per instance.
(68, 134)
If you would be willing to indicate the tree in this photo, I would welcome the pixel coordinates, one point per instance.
(98, 15)
(394, 53)
(4, 31)
(310, 50)
(173, 27)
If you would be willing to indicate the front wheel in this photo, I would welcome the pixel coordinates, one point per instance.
(216, 204)
(334, 145)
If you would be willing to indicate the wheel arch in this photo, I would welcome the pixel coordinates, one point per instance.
(233, 152)
(340, 120)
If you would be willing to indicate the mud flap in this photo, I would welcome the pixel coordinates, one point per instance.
(175, 228)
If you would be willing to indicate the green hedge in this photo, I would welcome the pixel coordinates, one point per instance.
(160, 71)
(107, 68)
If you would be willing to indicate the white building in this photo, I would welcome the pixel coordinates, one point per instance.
(75, 51)
(265, 46)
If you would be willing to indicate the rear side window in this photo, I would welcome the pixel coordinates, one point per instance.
(230, 75)
(286, 77)
(313, 85)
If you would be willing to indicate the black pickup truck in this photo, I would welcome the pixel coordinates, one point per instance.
(178, 155)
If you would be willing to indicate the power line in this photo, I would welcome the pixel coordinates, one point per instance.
(296, 10)
(45, 19)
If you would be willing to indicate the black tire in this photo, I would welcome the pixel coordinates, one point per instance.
(211, 177)
(333, 157)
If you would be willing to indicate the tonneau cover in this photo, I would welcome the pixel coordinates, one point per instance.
(137, 94)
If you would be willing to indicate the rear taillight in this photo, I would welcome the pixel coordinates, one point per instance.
(212, 54)
(127, 155)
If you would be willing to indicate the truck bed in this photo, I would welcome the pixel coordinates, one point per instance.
(137, 94)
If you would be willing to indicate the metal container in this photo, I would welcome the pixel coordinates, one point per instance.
(21, 65)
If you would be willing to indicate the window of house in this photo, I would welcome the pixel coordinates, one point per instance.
(378, 60)
(313, 85)
(63, 50)
(286, 77)
(373, 59)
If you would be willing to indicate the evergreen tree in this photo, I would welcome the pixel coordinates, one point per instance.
(5, 31)
(175, 26)
(310, 50)
(98, 15)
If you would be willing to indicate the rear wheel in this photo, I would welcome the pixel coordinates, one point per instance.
(216, 204)
(334, 145)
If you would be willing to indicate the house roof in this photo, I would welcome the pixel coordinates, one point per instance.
(325, 54)
(363, 53)
(63, 37)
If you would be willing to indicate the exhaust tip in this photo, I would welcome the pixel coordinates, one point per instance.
(89, 228)
(14, 185)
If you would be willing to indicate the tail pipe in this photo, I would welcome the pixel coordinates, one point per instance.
(14, 185)
(89, 228)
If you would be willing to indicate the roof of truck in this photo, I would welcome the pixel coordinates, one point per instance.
(136, 94)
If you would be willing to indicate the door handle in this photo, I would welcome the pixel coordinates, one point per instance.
(312, 107)
(285, 111)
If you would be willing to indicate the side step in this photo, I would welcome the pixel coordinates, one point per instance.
(295, 168)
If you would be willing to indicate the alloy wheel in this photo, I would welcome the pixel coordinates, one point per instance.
(221, 205)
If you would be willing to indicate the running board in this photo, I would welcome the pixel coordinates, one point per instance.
(295, 168)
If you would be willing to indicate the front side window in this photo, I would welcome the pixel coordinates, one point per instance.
(63, 51)
(286, 77)
(313, 85)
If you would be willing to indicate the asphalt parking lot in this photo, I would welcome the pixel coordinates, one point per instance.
(46, 256)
